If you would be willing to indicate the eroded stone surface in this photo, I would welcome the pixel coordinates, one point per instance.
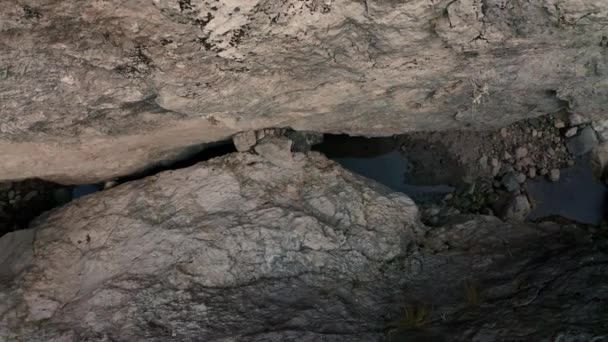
(234, 247)
(241, 249)
(90, 91)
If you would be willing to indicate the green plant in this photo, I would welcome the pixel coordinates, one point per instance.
(473, 294)
(416, 316)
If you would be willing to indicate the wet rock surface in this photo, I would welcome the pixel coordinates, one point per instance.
(145, 86)
(481, 172)
(492, 168)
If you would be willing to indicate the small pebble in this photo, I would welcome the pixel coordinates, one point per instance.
(30, 195)
(495, 170)
(534, 133)
(571, 132)
(527, 161)
(510, 182)
(11, 194)
(532, 172)
(506, 168)
(433, 211)
(570, 162)
(551, 151)
(483, 162)
(584, 142)
(521, 153)
(448, 197)
(110, 184)
(521, 178)
(559, 124)
(576, 119)
(507, 156)
(554, 175)
(495, 162)
(503, 132)
(544, 171)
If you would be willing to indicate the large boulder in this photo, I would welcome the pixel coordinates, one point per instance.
(97, 89)
(242, 248)
(233, 248)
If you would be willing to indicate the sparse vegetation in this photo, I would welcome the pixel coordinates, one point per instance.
(473, 294)
(416, 316)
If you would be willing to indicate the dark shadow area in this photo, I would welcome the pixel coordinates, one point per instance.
(21, 202)
(577, 196)
(380, 159)
(191, 156)
(419, 165)
(423, 167)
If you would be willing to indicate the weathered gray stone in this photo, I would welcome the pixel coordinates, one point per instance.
(234, 247)
(510, 182)
(599, 160)
(93, 90)
(238, 249)
(521, 152)
(521, 177)
(15, 253)
(584, 142)
(277, 150)
(517, 209)
(532, 173)
(554, 175)
(571, 132)
(576, 119)
(559, 124)
(244, 141)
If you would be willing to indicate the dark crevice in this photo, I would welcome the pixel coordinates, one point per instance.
(23, 201)
(382, 160)
(533, 169)
(189, 157)
(452, 172)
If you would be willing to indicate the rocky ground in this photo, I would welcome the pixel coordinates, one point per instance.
(270, 245)
(490, 168)
(20, 202)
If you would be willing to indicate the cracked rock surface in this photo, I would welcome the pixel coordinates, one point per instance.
(233, 247)
(95, 90)
(243, 249)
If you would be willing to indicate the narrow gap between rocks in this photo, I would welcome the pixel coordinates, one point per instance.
(545, 168)
(537, 169)
(21, 202)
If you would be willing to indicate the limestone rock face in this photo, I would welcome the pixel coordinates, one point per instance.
(243, 249)
(233, 248)
(98, 89)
